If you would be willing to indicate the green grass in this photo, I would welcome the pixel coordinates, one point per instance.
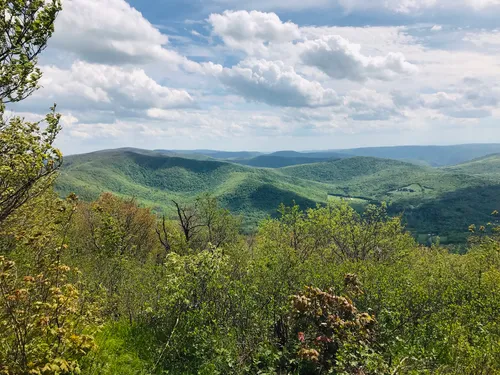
(442, 201)
(119, 349)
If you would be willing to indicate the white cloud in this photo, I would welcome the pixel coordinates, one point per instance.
(440, 100)
(117, 70)
(264, 35)
(274, 83)
(110, 31)
(469, 100)
(489, 40)
(369, 105)
(99, 86)
(249, 31)
(99, 130)
(341, 59)
(409, 6)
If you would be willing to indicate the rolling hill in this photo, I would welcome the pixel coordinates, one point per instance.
(440, 201)
(487, 166)
(434, 156)
(382, 179)
(273, 161)
(213, 154)
(155, 179)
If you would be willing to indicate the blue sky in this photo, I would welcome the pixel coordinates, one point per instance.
(272, 74)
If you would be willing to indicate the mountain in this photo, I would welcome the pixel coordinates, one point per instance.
(155, 179)
(310, 154)
(435, 156)
(282, 159)
(442, 201)
(214, 154)
(381, 178)
(272, 161)
(487, 166)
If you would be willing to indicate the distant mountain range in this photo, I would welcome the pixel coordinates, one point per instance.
(433, 200)
(434, 156)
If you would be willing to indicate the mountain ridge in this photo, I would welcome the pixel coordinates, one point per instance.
(427, 196)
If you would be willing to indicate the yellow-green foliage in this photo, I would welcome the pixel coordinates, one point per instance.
(42, 322)
(194, 309)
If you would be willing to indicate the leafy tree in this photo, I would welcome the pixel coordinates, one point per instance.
(28, 160)
(27, 156)
(114, 243)
(45, 313)
(25, 28)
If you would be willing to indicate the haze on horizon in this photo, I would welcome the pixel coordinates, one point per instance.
(281, 75)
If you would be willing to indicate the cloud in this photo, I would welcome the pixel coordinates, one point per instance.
(112, 32)
(101, 87)
(471, 99)
(117, 75)
(99, 130)
(341, 59)
(264, 35)
(440, 100)
(274, 83)
(394, 11)
(250, 31)
(418, 6)
(369, 105)
(487, 40)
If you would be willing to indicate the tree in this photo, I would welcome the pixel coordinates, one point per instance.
(28, 160)
(188, 220)
(25, 28)
(27, 156)
(114, 242)
(221, 227)
(205, 223)
(45, 318)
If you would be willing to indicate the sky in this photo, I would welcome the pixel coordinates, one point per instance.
(269, 75)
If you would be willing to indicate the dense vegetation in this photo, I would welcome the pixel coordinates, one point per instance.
(488, 166)
(109, 287)
(434, 202)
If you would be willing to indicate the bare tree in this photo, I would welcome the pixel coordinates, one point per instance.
(188, 220)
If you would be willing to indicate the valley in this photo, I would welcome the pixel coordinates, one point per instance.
(433, 201)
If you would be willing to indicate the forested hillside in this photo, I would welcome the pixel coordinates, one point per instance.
(487, 166)
(155, 179)
(439, 202)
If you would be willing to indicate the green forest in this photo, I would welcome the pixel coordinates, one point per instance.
(435, 203)
(137, 262)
